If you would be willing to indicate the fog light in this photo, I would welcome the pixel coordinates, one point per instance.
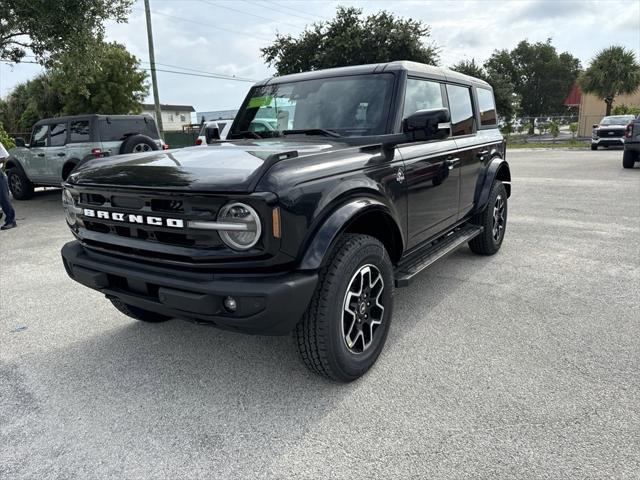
(230, 304)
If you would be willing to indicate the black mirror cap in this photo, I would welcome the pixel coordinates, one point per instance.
(426, 124)
(20, 142)
(595, 125)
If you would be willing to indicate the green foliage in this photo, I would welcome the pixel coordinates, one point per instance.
(507, 129)
(573, 128)
(112, 85)
(349, 39)
(542, 128)
(554, 129)
(623, 109)
(540, 76)
(614, 71)
(506, 100)
(49, 28)
(5, 139)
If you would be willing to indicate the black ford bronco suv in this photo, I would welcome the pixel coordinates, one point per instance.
(370, 174)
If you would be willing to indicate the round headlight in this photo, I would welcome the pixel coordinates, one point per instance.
(244, 226)
(69, 207)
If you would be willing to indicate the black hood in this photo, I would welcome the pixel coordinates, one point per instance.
(223, 167)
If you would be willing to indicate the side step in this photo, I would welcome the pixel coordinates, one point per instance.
(418, 261)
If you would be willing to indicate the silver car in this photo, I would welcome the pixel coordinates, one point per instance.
(58, 145)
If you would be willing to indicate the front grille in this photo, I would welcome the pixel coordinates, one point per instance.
(610, 133)
(174, 206)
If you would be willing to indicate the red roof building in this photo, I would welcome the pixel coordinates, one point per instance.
(573, 99)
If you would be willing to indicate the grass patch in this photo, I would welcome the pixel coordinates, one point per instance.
(563, 144)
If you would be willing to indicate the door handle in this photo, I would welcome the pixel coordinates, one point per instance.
(483, 153)
(61, 154)
(452, 162)
(41, 154)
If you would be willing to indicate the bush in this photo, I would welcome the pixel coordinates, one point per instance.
(554, 129)
(573, 128)
(5, 139)
(623, 109)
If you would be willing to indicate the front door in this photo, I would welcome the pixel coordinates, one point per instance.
(35, 163)
(431, 172)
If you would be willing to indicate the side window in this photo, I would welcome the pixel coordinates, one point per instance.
(461, 110)
(58, 135)
(487, 106)
(421, 95)
(39, 136)
(79, 131)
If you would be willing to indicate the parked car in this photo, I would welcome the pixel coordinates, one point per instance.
(60, 144)
(213, 131)
(610, 131)
(386, 169)
(631, 153)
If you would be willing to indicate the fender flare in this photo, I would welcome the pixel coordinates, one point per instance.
(316, 251)
(498, 167)
(15, 161)
(72, 161)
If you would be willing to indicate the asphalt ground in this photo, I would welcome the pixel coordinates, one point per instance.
(521, 365)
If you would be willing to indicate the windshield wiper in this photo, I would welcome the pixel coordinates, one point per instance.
(313, 131)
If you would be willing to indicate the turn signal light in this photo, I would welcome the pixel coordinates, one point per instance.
(275, 221)
(96, 152)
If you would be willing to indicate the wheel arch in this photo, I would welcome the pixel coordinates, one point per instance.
(13, 162)
(68, 167)
(498, 169)
(366, 216)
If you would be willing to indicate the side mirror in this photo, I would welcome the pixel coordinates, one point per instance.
(428, 124)
(595, 125)
(20, 142)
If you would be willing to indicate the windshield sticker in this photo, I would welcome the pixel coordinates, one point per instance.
(260, 101)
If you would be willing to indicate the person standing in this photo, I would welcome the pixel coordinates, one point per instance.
(5, 201)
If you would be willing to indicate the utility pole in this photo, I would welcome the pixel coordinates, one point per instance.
(152, 61)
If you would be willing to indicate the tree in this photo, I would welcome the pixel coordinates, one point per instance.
(5, 139)
(614, 71)
(573, 128)
(623, 109)
(48, 28)
(349, 39)
(540, 76)
(506, 100)
(111, 85)
(554, 130)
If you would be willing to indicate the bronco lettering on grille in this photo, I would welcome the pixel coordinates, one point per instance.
(133, 218)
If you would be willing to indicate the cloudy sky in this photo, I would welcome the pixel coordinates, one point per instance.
(225, 36)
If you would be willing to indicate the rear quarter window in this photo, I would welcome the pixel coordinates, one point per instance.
(79, 131)
(461, 108)
(116, 130)
(487, 107)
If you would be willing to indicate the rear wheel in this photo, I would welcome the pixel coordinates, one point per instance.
(494, 221)
(629, 158)
(20, 186)
(138, 313)
(345, 327)
(138, 144)
(594, 146)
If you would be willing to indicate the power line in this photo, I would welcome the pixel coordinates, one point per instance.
(230, 77)
(253, 15)
(219, 77)
(245, 34)
(287, 10)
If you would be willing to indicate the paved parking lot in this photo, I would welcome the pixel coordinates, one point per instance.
(521, 365)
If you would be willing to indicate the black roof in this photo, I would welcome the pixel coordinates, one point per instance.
(412, 68)
(89, 116)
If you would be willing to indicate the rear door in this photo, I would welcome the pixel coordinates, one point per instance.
(431, 174)
(56, 152)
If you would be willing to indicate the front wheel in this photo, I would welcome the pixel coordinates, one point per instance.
(494, 221)
(629, 158)
(346, 325)
(594, 146)
(20, 186)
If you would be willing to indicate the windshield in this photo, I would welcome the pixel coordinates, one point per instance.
(341, 106)
(617, 120)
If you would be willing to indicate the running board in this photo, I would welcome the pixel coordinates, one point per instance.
(418, 261)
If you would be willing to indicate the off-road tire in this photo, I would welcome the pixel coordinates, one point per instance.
(138, 313)
(131, 144)
(319, 335)
(20, 186)
(629, 158)
(485, 243)
(594, 146)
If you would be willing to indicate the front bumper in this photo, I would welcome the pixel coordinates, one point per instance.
(268, 304)
(604, 141)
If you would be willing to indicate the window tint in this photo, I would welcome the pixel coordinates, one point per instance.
(487, 107)
(58, 134)
(116, 129)
(461, 109)
(421, 95)
(39, 136)
(79, 131)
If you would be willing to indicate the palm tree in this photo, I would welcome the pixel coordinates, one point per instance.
(613, 71)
